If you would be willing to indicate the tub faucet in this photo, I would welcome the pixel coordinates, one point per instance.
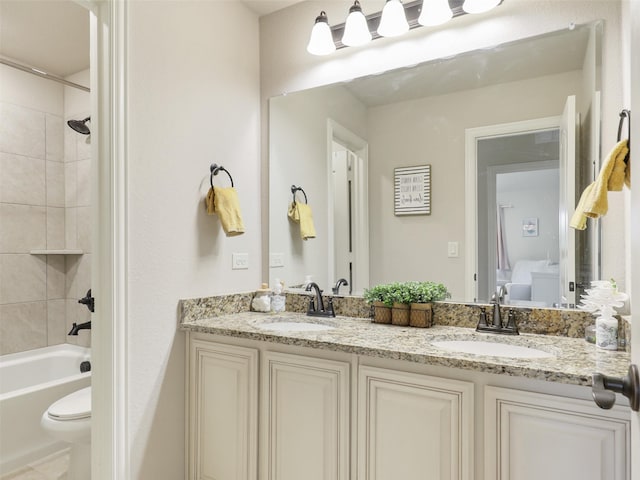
(83, 326)
(316, 305)
(336, 289)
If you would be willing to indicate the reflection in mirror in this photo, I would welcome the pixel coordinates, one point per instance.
(422, 115)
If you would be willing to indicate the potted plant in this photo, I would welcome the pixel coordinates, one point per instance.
(401, 294)
(379, 297)
(423, 294)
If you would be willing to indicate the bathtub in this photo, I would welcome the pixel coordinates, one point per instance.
(29, 383)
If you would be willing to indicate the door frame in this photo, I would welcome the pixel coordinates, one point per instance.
(109, 349)
(360, 147)
(472, 136)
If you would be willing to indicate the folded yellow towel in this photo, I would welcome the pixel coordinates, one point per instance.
(301, 213)
(593, 201)
(224, 202)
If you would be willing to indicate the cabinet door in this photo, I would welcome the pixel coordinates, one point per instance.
(532, 436)
(223, 410)
(305, 418)
(413, 427)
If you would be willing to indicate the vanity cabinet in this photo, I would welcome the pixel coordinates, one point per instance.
(413, 426)
(258, 410)
(223, 411)
(533, 436)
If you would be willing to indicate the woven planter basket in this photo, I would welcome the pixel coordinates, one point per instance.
(381, 313)
(421, 315)
(400, 314)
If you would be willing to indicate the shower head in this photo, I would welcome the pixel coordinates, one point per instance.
(80, 126)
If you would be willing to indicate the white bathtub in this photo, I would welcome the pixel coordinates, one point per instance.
(29, 383)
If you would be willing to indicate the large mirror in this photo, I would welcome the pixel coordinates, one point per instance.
(503, 141)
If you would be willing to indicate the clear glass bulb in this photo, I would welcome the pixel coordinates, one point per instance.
(321, 39)
(394, 20)
(356, 30)
(435, 12)
(479, 6)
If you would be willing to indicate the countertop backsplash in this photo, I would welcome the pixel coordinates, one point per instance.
(542, 321)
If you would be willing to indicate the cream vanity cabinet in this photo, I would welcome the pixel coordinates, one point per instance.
(533, 436)
(258, 410)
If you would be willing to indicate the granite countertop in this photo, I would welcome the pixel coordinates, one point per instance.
(574, 360)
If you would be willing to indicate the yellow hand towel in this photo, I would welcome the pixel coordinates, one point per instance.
(579, 219)
(301, 213)
(611, 178)
(593, 201)
(224, 202)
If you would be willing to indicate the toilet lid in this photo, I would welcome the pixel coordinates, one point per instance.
(74, 406)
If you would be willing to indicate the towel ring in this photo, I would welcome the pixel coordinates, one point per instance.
(625, 114)
(295, 189)
(215, 169)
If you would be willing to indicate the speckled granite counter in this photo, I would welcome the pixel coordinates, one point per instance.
(574, 361)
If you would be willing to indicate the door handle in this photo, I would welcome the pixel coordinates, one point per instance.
(604, 389)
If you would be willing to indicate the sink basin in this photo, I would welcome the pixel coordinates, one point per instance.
(491, 349)
(293, 326)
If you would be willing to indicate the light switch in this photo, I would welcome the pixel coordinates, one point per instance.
(239, 261)
(276, 260)
(452, 249)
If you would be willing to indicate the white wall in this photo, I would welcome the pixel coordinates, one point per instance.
(193, 99)
(287, 67)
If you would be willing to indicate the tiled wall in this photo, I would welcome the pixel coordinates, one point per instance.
(40, 208)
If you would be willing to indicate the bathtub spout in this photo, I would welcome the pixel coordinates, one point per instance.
(82, 326)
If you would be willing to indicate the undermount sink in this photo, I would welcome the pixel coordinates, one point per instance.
(491, 349)
(274, 325)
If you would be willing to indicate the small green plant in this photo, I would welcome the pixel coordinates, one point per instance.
(427, 292)
(406, 292)
(378, 293)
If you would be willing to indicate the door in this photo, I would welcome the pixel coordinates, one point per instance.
(305, 418)
(567, 201)
(635, 229)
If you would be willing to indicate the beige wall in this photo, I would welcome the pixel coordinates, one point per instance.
(287, 67)
(432, 131)
(193, 99)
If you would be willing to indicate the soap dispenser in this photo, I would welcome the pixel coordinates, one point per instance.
(278, 300)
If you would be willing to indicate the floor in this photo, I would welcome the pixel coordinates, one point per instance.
(53, 467)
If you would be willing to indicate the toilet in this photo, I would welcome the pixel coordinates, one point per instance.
(69, 420)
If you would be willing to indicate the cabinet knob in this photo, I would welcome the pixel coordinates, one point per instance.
(604, 389)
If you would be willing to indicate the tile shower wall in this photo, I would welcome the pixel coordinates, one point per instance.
(35, 290)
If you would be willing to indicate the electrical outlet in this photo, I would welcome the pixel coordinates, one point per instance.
(276, 260)
(240, 261)
(452, 249)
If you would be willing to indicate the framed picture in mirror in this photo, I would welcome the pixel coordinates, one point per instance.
(412, 190)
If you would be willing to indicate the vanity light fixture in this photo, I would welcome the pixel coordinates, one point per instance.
(395, 19)
(435, 12)
(356, 30)
(479, 6)
(321, 41)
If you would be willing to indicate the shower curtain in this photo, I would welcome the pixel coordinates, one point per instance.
(501, 241)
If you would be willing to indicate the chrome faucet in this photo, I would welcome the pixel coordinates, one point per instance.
(316, 305)
(336, 288)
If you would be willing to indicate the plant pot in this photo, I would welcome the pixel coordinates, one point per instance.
(400, 314)
(381, 313)
(421, 315)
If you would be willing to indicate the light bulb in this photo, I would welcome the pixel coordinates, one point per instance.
(479, 6)
(356, 30)
(394, 20)
(435, 12)
(321, 40)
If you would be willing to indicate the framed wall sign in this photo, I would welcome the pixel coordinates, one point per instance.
(530, 227)
(412, 190)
